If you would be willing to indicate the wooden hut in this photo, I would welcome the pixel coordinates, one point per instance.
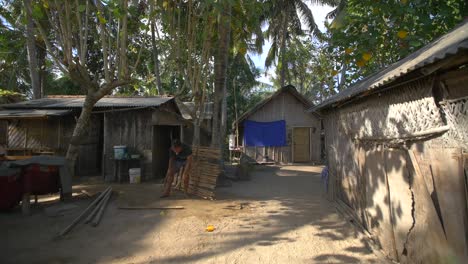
(282, 130)
(145, 125)
(396, 146)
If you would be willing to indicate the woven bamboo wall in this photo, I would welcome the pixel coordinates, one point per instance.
(31, 136)
(374, 158)
(394, 114)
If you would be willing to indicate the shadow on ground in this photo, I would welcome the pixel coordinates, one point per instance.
(280, 215)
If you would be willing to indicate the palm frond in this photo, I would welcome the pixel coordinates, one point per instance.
(272, 54)
(335, 12)
(306, 15)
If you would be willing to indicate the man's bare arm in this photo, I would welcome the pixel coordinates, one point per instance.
(189, 163)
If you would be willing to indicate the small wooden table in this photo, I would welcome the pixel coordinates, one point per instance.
(126, 164)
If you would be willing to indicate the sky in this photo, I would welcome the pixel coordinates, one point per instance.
(319, 13)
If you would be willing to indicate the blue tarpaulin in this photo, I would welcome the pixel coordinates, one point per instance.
(265, 134)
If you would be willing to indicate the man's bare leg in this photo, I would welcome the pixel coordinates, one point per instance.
(168, 184)
(186, 178)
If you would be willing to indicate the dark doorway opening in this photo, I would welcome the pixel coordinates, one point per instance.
(162, 137)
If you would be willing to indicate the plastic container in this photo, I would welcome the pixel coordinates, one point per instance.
(120, 152)
(134, 175)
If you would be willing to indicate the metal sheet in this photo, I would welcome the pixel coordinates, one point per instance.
(60, 102)
(31, 113)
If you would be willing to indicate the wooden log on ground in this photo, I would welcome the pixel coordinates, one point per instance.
(83, 214)
(96, 209)
(98, 216)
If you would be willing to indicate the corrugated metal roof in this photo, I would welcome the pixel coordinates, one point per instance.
(445, 46)
(31, 113)
(208, 114)
(78, 101)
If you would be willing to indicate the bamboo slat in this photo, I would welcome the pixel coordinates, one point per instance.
(204, 172)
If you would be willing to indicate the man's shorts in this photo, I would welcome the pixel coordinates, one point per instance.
(178, 164)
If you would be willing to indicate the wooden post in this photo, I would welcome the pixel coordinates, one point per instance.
(310, 144)
(104, 154)
(26, 141)
(26, 204)
(135, 132)
(59, 133)
(292, 146)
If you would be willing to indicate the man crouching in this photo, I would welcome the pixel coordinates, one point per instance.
(180, 157)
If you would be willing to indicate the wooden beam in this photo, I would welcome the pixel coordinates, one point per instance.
(84, 213)
(425, 133)
(151, 207)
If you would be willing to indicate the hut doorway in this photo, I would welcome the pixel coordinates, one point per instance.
(301, 144)
(162, 137)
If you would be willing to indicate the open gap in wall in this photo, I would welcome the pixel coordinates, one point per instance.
(162, 137)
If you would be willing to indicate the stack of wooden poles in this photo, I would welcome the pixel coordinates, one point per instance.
(94, 211)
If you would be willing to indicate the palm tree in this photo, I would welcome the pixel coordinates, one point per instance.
(239, 31)
(284, 19)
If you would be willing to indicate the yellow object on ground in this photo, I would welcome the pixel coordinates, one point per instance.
(210, 228)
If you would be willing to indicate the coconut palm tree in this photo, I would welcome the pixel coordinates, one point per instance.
(239, 31)
(285, 19)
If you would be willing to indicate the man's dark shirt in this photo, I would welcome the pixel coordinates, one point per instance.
(182, 155)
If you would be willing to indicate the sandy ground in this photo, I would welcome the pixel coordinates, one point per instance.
(280, 216)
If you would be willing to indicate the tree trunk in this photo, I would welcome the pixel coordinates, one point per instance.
(32, 56)
(283, 51)
(82, 125)
(196, 134)
(123, 69)
(155, 51)
(221, 62)
(223, 127)
(41, 64)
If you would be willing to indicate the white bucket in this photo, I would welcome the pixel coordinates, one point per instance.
(134, 175)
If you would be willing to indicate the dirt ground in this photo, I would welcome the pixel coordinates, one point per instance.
(280, 216)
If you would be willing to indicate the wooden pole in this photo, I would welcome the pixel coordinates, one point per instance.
(176, 207)
(83, 214)
(93, 213)
(103, 206)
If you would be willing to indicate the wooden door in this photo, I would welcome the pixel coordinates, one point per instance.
(301, 142)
